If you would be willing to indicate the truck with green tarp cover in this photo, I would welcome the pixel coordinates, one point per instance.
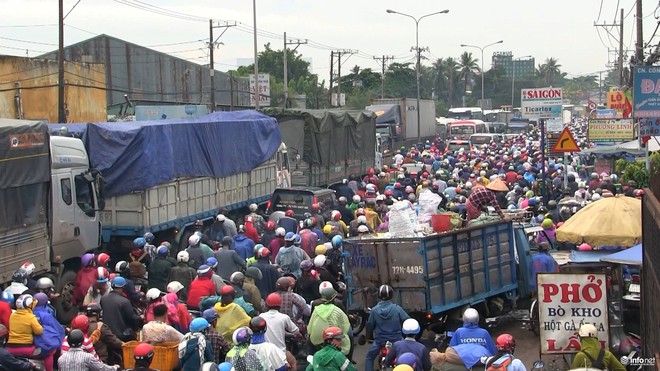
(326, 146)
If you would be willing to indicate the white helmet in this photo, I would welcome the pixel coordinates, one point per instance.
(471, 316)
(45, 283)
(319, 260)
(24, 301)
(280, 232)
(174, 287)
(183, 256)
(362, 219)
(410, 327)
(194, 239)
(588, 330)
(356, 198)
(253, 207)
(153, 294)
(468, 185)
(28, 267)
(220, 218)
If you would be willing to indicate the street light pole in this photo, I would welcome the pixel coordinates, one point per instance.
(418, 64)
(513, 77)
(482, 48)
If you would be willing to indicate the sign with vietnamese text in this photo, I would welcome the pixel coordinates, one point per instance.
(618, 101)
(566, 302)
(605, 114)
(612, 130)
(264, 90)
(646, 91)
(649, 127)
(554, 125)
(541, 103)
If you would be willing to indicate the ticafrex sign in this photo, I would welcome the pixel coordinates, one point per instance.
(612, 130)
(646, 89)
(541, 103)
(566, 301)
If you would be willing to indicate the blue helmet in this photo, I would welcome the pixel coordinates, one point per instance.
(210, 315)
(337, 241)
(7, 297)
(407, 358)
(296, 239)
(162, 250)
(289, 236)
(149, 237)
(199, 325)
(225, 366)
(139, 242)
(212, 262)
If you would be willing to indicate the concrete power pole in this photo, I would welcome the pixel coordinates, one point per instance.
(213, 43)
(639, 48)
(61, 105)
(621, 50)
(383, 61)
(286, 69)
(332, 64)
(339, 53)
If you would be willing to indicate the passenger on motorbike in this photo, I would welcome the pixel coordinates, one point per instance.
(471, 333)
(51, 339)
(504, 359)
(100, 288)
(590, 351)
(410, 330)
(273, 357)
(140, 259)
(159, 270)
(290, 300)
(217, 280)
(241, 356)
(7, 360)
(279, 327)
(77, 359)
(289, 257)
(228, 259)
(385, 320)
(23, 326)
(108, 347)
(200, 287)
(118, 312)
(270, 274)
(143, 355)
(174, 288)
(327, 314)
(330, 356)
(307, 285)
(220, 345)
(123, 270)
(195, 349)
(183, 273)
(252, 276)
(230, 315)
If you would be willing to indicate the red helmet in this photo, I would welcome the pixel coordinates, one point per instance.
(227, 290)
(638, 193)
(270, 225)
(332, 332)
(360, 211)
(143, 351)
(274, 300)
(371, 171)
(335, 215)
(102, 275)
(505, 342)
(389, 193)
(264, 252)
(80, 322)
(316, 208)
(289, 213)
(102, 260)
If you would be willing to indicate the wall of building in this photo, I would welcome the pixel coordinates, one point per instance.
(28, 90)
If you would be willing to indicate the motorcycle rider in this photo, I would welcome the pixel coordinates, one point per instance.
(118, 312)
(472, 333)
(201, 287)
(279, 326)
(228, 259)
(504, 358)
(108, 347)
(273, 357)
(159, 270)
(289, 257)
(242, 244)
(288, 222)
(241, 356)
(77, 359)
(591, 351)
(277, 243)
(307, 286)
(327, 314)
(143, 355)
(18, 284)
(230, 315)
(252, 276)
(410, 329)
(217, 280)
(7, 360)
(270, 274)
(182, 273)
(330, 357)
(139, 261)
(257, 220)
(197, 251)
(85, 278)
(123, 270)
(385, 320)
(290, 300)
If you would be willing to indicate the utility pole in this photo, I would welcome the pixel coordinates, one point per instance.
(286, 69)
(639, 51)
(61, 105)
(339, 53)
(383, 61)
(600, 87)
(332, 64)
(621, 50)
(213, 43)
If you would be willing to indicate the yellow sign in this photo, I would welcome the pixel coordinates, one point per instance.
(611, 130)
(566, 142)
(617, 101)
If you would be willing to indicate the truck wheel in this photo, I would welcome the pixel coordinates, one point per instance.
(358, 321)
(534, 324)
(64, 306)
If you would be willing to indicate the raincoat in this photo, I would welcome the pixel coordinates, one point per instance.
(230, 317)
(324, 316)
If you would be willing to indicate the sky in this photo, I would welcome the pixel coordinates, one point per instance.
(562, 29)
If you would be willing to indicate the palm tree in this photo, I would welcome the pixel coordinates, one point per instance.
(549, 70)
(469, 67)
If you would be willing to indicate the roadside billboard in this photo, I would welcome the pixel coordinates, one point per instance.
(646, 89)
(618, 101)
(566, 302)
(541, 103)
(610, 130)
(264, 90)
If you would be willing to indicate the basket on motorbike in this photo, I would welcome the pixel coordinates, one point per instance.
(166, 355)
(519, 215)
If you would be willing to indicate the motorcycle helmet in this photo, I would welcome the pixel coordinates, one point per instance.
(75, 338)
(174, 287)
(471, 316)
(80, 322)
(241, 335)
(8, 298)
(199, 325)
(258, 325)
(28, 267)
(385, 292)
(332, 332)
(149, 237)
(144, 352)
(407, 358)
(45, 283)
(163, 250)
(410, 327)
(588, 330)
(139, 242)
(121, 267)
(210, 315)
(87, 260)
(153, 294)
(274, 300)
(505, 342)
(102, 259)
(337, 242)
(93, 310)
(212, 262)
(225, 366)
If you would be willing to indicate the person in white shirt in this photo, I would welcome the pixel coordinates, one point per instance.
(279, 325)
(272, 357)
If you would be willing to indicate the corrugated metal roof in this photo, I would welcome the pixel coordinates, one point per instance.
(149, 75)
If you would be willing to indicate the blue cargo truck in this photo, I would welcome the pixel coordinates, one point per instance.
(436, 277)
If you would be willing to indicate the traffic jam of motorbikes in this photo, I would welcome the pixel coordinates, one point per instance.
(418, 264)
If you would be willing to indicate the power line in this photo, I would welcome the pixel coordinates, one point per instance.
(27, 41)
(172, 44)
(28, 25)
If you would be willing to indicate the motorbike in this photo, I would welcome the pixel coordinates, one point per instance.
(382, 354)
(37, 363)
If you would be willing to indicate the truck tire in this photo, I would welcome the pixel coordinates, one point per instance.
(358, 320)
(64, 307)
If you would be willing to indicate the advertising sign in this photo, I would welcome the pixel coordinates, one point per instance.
(646, 89)
(554, 125)
(264, 90)
(618, 101)
(649, 127)
(612, 130)
(605, 114)
(541, 103)
(566, 302)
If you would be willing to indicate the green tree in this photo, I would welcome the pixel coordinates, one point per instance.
(400, 81)
(469, 67)
(550, 72)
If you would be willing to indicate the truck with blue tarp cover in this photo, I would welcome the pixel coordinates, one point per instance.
(440, 274)
(161, 176)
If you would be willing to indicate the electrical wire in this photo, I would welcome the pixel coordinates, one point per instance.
(29, 25)
(27, 41)
(172, 44)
